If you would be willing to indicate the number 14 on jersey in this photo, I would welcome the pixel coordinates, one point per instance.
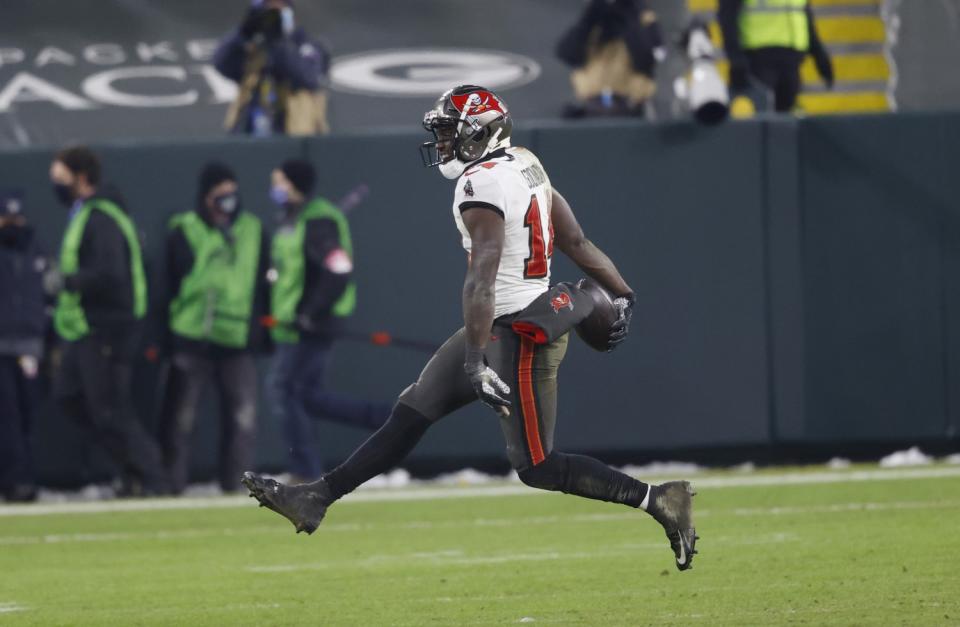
(541, 249)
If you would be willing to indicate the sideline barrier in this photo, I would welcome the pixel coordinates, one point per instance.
(798, 281)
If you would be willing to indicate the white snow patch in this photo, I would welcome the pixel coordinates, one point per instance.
(839, 463)
(744, 467)
(467, 476)
(202, 490)
(663, 468)
(910, 457)
(398, 478)
(952, 459)
(92, 492)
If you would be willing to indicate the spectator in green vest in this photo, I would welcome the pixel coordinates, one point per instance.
(313, 293)
(101, 292)
(216, 264)
(767, 40)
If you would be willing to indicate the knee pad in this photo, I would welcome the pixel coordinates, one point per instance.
(550, 474)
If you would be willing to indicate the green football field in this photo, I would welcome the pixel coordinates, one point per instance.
(856, 547)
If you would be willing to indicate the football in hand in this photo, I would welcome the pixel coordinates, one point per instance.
(595, 328)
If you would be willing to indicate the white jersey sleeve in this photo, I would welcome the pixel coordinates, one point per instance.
(515, 186)
(479, 191)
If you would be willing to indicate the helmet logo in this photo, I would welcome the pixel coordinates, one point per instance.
(478, 102)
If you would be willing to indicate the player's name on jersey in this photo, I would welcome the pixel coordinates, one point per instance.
(534, 175)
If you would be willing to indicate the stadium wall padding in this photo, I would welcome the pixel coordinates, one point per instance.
(798, 281)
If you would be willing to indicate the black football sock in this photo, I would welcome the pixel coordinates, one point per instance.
(591, 478)
(586, 477)
(381, 452)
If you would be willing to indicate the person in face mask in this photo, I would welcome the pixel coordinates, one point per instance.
(101, 291)
(216, 293)
(281, 73)
(22, 326)
(312, 295)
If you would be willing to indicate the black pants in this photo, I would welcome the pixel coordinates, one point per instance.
(15, 407)
(93, 386)
(529, 369)
(235, 378)
(779, 70)
(299, 397)
(531, 372)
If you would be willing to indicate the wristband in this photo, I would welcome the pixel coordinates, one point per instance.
(473, 360)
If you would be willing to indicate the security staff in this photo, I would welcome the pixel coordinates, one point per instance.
(312, 295)
(768, 40)
(217, 258)
(101, 302)
(22, 327)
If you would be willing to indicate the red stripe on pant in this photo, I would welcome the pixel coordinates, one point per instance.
(528, 402)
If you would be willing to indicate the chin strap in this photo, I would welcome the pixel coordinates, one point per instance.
(455, 167)
(452, 169)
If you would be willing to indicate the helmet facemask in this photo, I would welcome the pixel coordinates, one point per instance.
(441, 149)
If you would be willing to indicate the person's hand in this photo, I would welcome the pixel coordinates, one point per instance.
(53, 281)
(824, 63)
(621, 327)
(488, 385)
(29, 365)
(305, 323)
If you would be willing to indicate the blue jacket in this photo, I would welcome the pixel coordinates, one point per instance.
(303, 61)
(22, 307)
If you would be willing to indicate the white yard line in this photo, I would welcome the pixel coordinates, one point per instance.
(526, 521)
(437, 493)
(9, 608)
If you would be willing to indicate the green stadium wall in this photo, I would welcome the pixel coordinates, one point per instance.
(798, 281)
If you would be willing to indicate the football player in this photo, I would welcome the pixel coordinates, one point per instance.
(514, 335)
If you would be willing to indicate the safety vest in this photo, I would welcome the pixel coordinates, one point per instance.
(289, 263)
(69, 318)
(774, 23)
(215, 301)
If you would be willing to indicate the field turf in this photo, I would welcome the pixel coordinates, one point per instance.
(806, 548)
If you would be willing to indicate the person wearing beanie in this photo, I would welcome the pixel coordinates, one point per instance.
(312, 294)
(216, 293)
(23, 323)
(281, 73)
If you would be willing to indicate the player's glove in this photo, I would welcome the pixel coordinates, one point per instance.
(620, 328)
(488, 385)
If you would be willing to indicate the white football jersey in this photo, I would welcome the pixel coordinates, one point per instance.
(514, 184)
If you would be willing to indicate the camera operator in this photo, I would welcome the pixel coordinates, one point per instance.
(613, 49)
(281, 74)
